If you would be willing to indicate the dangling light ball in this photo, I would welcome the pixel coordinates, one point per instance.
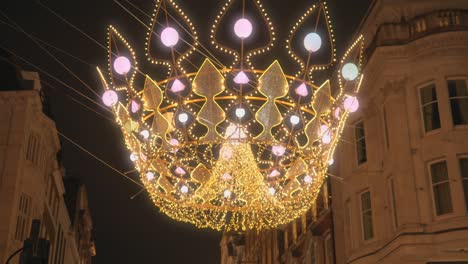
(110, 98)
(294, 119)
(240, 112)
(122, 65)
(184, 189)
(183, 118)
(308, 179)
(241, 78)
(169, 37)
(312, 42)
(278, 150)
(351, 104)
(133, 157)
(150, 175)
(331, 161)
(243, 28)
(227, 194)
(272, 191)
(145, 134)
(350, 71)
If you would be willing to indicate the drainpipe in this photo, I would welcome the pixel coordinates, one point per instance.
(332, 233)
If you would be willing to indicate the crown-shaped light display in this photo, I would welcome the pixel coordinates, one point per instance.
(232, 147)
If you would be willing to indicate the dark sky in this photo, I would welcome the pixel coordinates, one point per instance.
(126, 231)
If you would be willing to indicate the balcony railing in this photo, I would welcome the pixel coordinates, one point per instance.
(406, 31)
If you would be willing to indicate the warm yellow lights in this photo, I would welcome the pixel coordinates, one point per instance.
(230, 148)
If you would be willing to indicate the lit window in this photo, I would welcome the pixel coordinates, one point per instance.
(458, 93)
(360, 138)
(430, 109)
(464, 175)
(441, 188)
(366, 213)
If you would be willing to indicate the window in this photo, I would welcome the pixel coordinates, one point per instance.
(441, 188)
(366, 213)
(458, 93)
(430, 109)
(360, 138)
(464, 175)
(24, 217)
(385, 123)
(392, 201)
(33, 148)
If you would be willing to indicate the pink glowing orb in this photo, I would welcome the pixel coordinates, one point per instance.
(122, 65)
(177, 86)
(169, 37)
(278, 150)
(184, 189)
(180, 171)
(135, 106)
(226, 176)
(145, 134)
(243, 28)
(308, 179)
(174, 142)
(271, 191)
(241, 78)
(110, 98)
(351, 104)
(274, 173)
(301, 90)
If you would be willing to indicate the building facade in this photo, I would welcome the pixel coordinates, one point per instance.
(32, 178)
(402, 191)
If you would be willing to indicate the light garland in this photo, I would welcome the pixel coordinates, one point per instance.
(219, 156)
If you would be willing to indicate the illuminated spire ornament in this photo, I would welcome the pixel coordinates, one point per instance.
(231, 147)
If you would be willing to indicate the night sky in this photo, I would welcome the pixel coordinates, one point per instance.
(126, 230)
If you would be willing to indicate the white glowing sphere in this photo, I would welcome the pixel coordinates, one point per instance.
(150, 175)
(301, 90)
(308, 179)
(351, 104)
(278, 150)
(184, 189)
(110, 98)
(294, 119)
(243, 28)
(312, 42)
(272, 191)
(180, 171)
(133, 157)
(326, 138)
(183, 118)
(173, 142)
(122, 65)
(241, 78)
(226, 176)
(227, 194)
(331, 161)
(169, 37)
(350, 71)
(240, 112)
(274, 173)
(145, 134)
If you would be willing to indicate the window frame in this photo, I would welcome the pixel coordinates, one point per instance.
(361, 216)
(356, 140)
(421, 107)
(455, 78)
(431, 185)
(462, 179)
(392, 201)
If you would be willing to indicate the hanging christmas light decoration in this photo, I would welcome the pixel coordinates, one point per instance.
(231, 147)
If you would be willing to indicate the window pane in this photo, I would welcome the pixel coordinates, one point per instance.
(428, 94)
(365, 201)
(459, 111)
(360, 143)
(465, 190)
(439, 172)
(464, 175)
(368, 229)
(443, 202)
(457, 88)
(431, 117)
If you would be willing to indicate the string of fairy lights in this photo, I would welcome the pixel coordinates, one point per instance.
(229, 148)
(219, 149)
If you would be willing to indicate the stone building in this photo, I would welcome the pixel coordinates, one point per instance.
(402, 195)
(32, 177)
